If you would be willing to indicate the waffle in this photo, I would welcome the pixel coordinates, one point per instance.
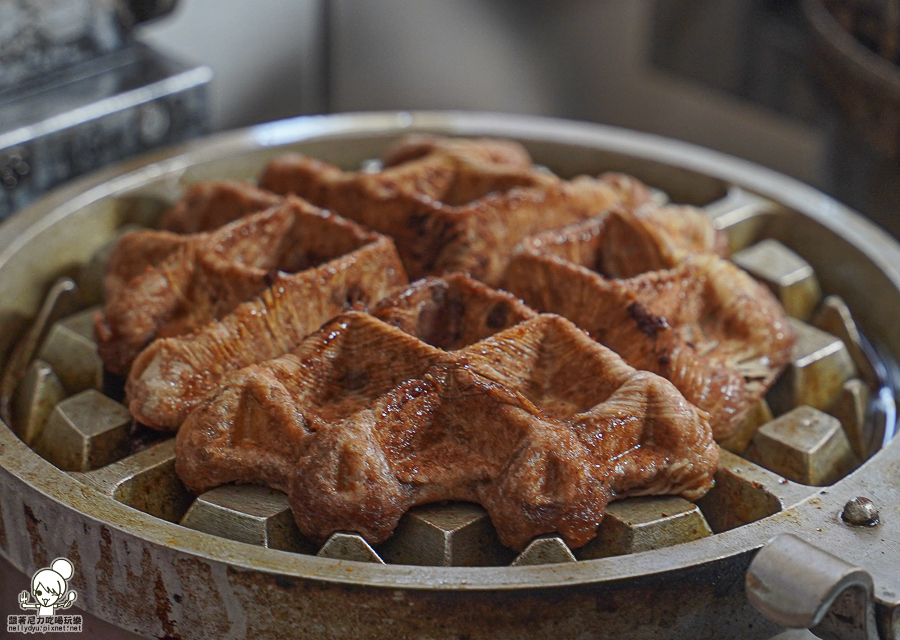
(452, 205)
(217, 301)
(451, 312)
(161, 284)
(625, 242)
(210, 205)
(537, 422)
(448, 389)
(717, 334)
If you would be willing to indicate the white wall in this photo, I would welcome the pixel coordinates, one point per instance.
(264, 53)
(584, 59)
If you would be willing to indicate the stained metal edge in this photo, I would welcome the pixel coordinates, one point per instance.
(26, 469)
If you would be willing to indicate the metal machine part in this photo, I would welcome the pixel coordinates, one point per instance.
(84, 117)
(234, 567)
(77, 92)
(800, 586)
(42, 37)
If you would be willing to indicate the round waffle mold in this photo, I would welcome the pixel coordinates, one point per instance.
(139, 569)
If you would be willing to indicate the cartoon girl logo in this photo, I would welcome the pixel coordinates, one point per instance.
(50, 589)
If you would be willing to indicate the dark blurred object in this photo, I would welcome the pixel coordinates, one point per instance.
(795, 58)
(757, 50)
(144, 10)
(856, 56)
(874, 23)
(77, 92)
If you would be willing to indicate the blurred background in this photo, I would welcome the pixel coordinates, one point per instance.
(747, 77)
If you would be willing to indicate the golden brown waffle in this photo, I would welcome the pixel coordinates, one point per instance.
(210, 205)
(218, 301)
(538, 423)
(159, 284)
(625, 242)
(450, 389)
(451, 312)
(452, 205)
(717, 334)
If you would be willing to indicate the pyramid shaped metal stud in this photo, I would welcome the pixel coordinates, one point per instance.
(820, 364)
(544, 550)
(71, 350)
(804, 445)
(349, 546)
(37, 395)
(85, 432)
(456, 534)
(788, 275)
(642, 524)
(247, 513)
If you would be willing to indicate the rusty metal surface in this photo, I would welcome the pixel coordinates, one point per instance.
(143, 572)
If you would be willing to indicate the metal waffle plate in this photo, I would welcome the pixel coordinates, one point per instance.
(828, 414)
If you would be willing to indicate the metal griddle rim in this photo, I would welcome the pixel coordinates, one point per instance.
(38, 476)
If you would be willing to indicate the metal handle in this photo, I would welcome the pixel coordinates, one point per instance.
(797, 585)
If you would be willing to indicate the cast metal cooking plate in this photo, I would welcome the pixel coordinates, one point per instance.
(139, 569)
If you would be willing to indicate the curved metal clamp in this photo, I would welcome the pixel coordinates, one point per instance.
(798, 585)
(62, 292)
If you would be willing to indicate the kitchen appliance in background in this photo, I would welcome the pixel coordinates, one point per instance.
(77, 92)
